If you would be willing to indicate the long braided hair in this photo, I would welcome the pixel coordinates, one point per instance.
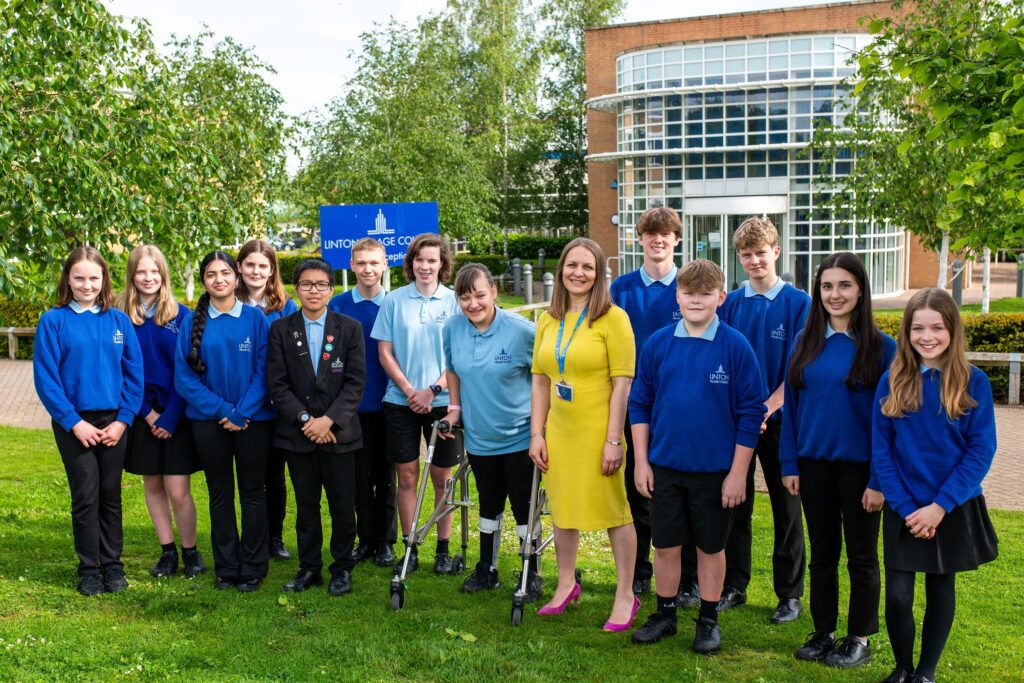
(195, 361)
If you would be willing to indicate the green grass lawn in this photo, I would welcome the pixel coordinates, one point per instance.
(180, 629)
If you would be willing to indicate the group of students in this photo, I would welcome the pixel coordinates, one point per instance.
(645, 421)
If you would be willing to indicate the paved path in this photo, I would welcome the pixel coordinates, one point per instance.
(1004, 486)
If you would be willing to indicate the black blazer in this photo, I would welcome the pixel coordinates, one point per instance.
(335, 390)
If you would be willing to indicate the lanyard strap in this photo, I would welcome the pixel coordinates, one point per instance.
(559, 351)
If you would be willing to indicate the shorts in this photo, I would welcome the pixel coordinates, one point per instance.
(405, 428)
(686, 509)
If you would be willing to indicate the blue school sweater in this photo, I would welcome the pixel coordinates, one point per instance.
(87, 361)
(650, 307)
(288, 308)
(825, 420)
(234, 384)
(701, 397)
(158, 344)
(365, 311)
(925, 457)
(770, 322)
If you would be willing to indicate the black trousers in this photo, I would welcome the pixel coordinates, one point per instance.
(788, 552)
(94, 477)
(640, 508)
(503, 476)
(334, 473)
(375, 484)
(276, 492)
(831, 493)
(222, 452)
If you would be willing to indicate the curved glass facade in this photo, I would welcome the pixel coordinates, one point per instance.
(719, 131)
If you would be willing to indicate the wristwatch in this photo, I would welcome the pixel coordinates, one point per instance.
(436, 388)
(304, 417)
(614, 442)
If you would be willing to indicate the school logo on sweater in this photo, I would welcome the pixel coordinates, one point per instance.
(171, 326)
(779, 333)
(719, 376)
(503, 357)
(118, 337)
(676, 315)
(246, 346)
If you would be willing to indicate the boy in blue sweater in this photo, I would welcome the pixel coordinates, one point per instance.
(375, 474)
(694, 471)
(769, 313)
(648, 295)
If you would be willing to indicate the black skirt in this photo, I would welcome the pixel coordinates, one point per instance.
(149, 455)
(963, 540)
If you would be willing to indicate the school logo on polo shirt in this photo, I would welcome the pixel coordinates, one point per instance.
(719, 376)
(118, 337)
(442, 317)
(779, 332)
(503, 357)
(245, 346)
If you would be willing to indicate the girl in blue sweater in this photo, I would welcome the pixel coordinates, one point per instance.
(220, 371)
(825, 454)
(88, 374)
(261, 286)
(933, 440)
(160, 446)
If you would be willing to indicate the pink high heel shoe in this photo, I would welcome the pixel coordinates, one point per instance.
(574, 596)
(616, 628)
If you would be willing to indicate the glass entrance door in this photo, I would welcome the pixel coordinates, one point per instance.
(704, 238)
(710, 236)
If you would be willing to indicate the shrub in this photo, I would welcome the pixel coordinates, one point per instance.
(497, 264)
(521, 245)
(20, 314)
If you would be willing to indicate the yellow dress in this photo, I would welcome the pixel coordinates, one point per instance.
(580, 496)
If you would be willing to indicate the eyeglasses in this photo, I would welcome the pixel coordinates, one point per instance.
(319, 285)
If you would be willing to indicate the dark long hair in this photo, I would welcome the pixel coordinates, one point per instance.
(195, 361)
(867, 339)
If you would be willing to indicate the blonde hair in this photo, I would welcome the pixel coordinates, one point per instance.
(600, 299)
(700, 275)
(755, 232)
(129, 299)
(274, 293)
(368, 244)
(905, 372)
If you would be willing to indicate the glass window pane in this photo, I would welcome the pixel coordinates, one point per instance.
(673, 70)
(694, 54)
(778, 62)
(823, 59)
(823, 44)
(756, 64)
(778, 47)
(800, 45)
(735, 50)
(713, 52)
(673, 55)
(734, 66)
(653, 58)
(755, 49)
(801, 61)
(713, 68)
(694, 68)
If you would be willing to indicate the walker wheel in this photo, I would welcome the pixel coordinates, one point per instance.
(517, 615)
(397, 599)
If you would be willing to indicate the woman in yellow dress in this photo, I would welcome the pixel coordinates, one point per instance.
(583, 363)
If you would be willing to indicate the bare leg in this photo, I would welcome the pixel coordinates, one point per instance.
(667, 570)
(179, 492)
(439, 475)
(710, 574)
(623, 541)
(567, 543)
(159, 511)
(408, 474)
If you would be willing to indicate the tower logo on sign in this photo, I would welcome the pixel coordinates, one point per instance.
(380, 225)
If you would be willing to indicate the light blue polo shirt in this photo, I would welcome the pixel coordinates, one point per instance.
(413, 324)
(494, 372)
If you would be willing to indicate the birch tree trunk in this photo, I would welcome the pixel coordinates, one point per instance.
(986, 279)
(943, 260)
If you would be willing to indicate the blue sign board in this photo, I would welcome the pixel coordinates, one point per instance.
(394, 225)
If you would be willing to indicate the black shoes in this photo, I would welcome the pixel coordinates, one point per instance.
(918, 678)
(385, 556)
(658, 626)
(341, 583)
(816, 647)
(277, 549)
(225, 582)
(788, 610)
(731, 597)
(167, 565)
(900, 675)
(91, 585)
(848, 653)
(708, 637)
(414, 561)
(303, 580)
(442, 563)
(361, 552)
(484, 578)
(534, 586)
(248, 584)
(689, 596)
(193, 563)
(114, 580)
(641, 586)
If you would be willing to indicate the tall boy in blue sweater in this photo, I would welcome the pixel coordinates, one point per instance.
(769, 313)
(694, 470)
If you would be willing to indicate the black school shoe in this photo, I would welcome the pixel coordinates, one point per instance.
(641, 586)
(385, 556)
(223, 583)
(193, 563)
(848, 653)
(249, 584)
(731, 597)
(277, 549)
(918, 678)
(658, 626)
(115, 581)
(361, 552)
(91, 585)
(899, 675)
(708, 637)
(485, 577)
(167, 565)
(817, 647)
(341, 583)
(303, 580)
(689, 596)
(534, 586)
(414, 562)
(442, 563)
(788, 610)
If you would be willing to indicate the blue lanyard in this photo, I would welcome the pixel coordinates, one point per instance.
(559, 351)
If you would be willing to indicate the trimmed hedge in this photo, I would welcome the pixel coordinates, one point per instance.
(522, 245)
(20, 314)
(497, 264)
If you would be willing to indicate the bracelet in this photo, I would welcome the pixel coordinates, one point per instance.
(614, 442)
(452, 406)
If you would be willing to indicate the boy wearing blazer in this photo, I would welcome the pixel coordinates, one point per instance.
(316, 371)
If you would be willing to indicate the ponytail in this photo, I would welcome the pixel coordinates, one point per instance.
(195, 361)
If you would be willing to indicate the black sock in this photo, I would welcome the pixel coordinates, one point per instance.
(486, 549)
(187, 550)
(667, 606)
(708, 610)
(940, 606)
(169, 547)
(442, 546)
